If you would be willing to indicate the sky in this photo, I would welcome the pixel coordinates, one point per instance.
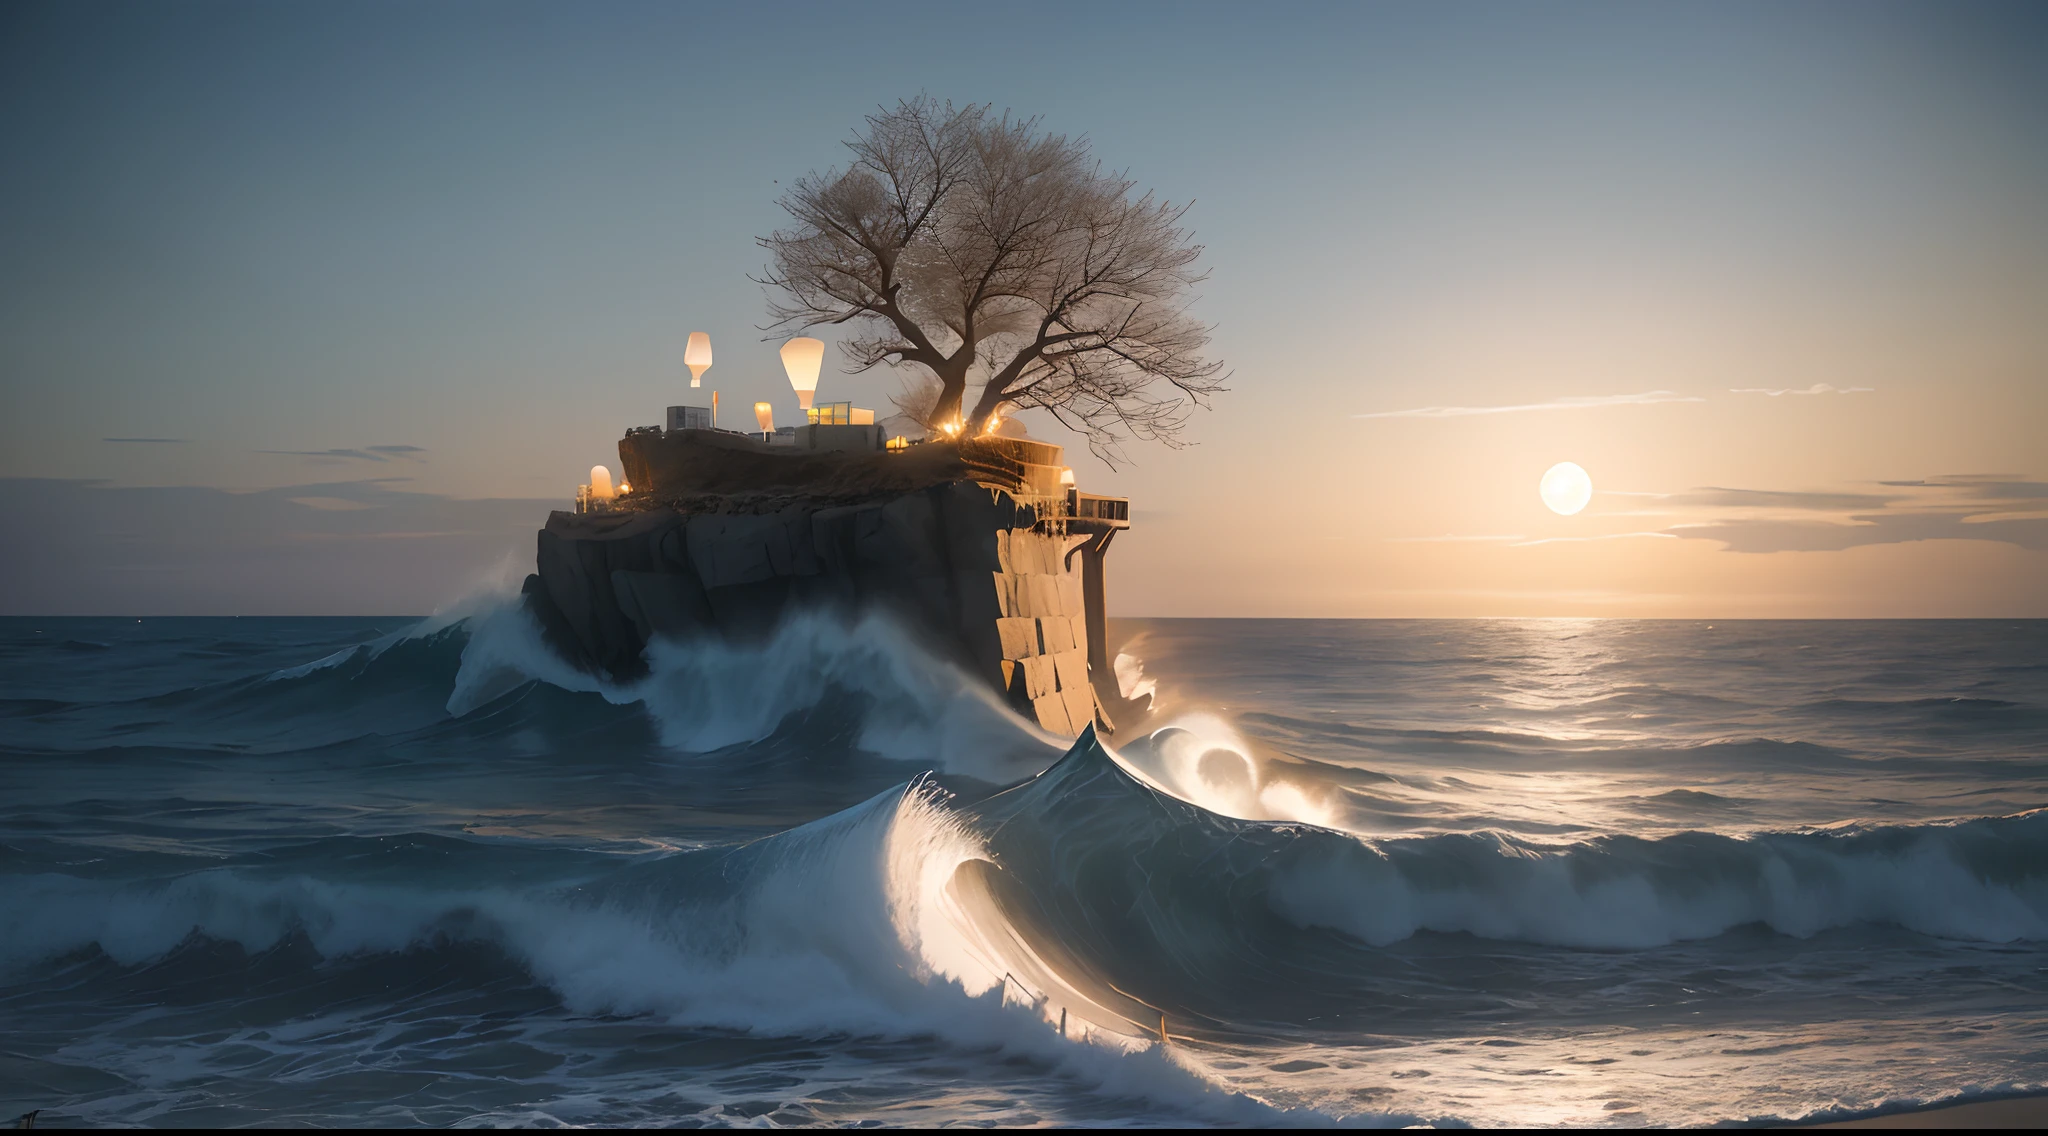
(318, 308)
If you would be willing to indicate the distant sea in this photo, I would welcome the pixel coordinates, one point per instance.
(1625, 873)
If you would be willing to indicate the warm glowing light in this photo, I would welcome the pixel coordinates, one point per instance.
(995, 423)
(801, 358)
(950, 429)
(764, 413)
(600, 483)
(1067, 476)
(697, 357)
(1566, 488)
(899, 442)
(625, 488)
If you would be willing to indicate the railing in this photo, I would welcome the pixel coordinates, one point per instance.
(1115, 511)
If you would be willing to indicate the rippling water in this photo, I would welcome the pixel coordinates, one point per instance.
(1518, 872)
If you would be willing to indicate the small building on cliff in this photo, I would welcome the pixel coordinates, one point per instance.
(980, 548)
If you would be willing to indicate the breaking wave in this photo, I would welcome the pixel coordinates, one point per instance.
(1125, 917)
(874, 921)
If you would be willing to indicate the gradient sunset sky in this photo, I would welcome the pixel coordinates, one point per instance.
(316, 308)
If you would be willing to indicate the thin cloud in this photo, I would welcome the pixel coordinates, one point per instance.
(351, 455)
(1817, 388)
(1990, 486)
(149, 441)
(330, 504)
(367, 453)
(1603, 536)
(1714, 496)
(1451, 539)
(1750, 535)
(1995, 507)
(1573, 402)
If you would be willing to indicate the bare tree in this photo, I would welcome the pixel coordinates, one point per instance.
(975, 246)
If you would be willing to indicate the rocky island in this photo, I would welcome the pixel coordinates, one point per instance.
(981, 548)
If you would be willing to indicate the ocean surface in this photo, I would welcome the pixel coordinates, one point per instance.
(1624, 873)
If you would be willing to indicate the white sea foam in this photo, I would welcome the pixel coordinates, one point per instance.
(1200, 758)
(706, 694)
(487, 599)
(1131, 681)
(505, 651)
(849, 925)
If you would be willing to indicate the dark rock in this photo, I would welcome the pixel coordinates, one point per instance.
(968, 570)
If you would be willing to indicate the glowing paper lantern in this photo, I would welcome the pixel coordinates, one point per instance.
(764, 413)
(697, 357)
(801, 357)
(600, 483)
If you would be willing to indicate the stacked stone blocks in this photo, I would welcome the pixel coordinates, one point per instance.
(1044, 630)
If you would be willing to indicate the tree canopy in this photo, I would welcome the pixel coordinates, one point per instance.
(988, 253)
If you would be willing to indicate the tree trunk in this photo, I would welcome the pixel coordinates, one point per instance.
(991, 401)
(947, 409)
(952, 392)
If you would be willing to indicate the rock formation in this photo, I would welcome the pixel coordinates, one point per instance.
(969, 546)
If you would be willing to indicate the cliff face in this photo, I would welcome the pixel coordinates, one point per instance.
(966, 568)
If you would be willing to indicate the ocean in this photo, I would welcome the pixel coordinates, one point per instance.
(1516, 872)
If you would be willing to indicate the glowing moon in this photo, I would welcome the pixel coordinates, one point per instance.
(1566, 488)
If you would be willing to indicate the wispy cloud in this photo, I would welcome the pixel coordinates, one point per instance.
(330, 504)
(1817, 388)
(1453, 539)
(367, 453)
(149, 441)
(1997, 507)
(1990, 486)
(1602, 536)
(1753, 535)
(1714, 496)
(1572, 402)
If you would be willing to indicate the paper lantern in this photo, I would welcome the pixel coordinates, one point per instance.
(600, 483)
(801, 357)
(697, 357)
(764, 413)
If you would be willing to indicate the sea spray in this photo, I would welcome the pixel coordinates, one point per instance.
(708, 693)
